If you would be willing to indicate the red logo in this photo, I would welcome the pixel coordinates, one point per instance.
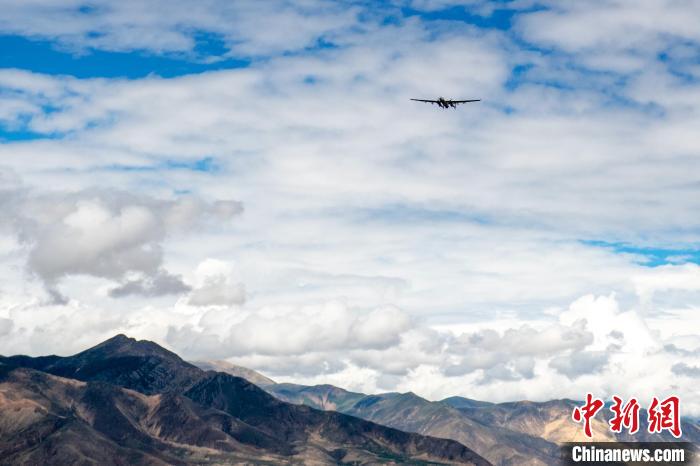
(661, 415)
(587, 412)
(624, 416)
(665, 415)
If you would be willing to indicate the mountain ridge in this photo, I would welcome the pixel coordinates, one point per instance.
(511, 433)
(167, 411)
(409, 412)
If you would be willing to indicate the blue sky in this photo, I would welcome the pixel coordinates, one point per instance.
(249, 180)
(43, 56)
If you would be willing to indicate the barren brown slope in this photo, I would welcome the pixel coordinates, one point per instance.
(412, 413)
(347, 435)
(552, 420)
(227, 414)
(45, 419)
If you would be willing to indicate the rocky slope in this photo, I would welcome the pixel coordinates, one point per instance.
(517, 433)
(133, 402)
(551, 420)
(412, 413)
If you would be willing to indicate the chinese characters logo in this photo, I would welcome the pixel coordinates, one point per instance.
(661, 415)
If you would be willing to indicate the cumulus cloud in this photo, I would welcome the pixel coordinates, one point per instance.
(527, 340)
(5, 326)
(305, 341)
(387, 341)
(504, 373)
(108, 234)
(417, 346)
(536, 361)
(673, 349)
(623, 36)
(355, 193)
(508, 356)
(580, 363)
(160, 284)
(624, 329)
(667, 278)
(216, 285)
(332, 326)
(85, 236)
(319, 344)
(684, 369)
(178, 26)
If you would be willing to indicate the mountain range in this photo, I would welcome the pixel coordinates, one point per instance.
(514, 433)
(129, 402)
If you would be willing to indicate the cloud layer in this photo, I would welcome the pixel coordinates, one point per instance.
(506, 250)
(247, 28)
(107, 234)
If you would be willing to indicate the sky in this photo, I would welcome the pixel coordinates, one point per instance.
(249, 181)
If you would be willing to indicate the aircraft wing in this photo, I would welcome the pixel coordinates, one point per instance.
(464, 101)
(423, 100)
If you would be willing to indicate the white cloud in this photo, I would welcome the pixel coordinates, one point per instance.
(109, 234)
(510, 356)
(318, 344)
(216, 285)
(295, 331)
(444, 234)
(685, 277)
(580, 363)
(5, 326)
(539, 361)
(621, 35)
(243, 28)
(159, 284)
(602, 316)
(684, 369)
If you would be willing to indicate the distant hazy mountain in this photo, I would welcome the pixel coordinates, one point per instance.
(551, 420)
(239, 371)
(128, 402)
(517, 433)
(412, 413)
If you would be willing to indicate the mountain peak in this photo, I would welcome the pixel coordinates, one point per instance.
(117, 340)
(122, 345)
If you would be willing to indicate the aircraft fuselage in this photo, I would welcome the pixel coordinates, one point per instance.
(443, 103)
